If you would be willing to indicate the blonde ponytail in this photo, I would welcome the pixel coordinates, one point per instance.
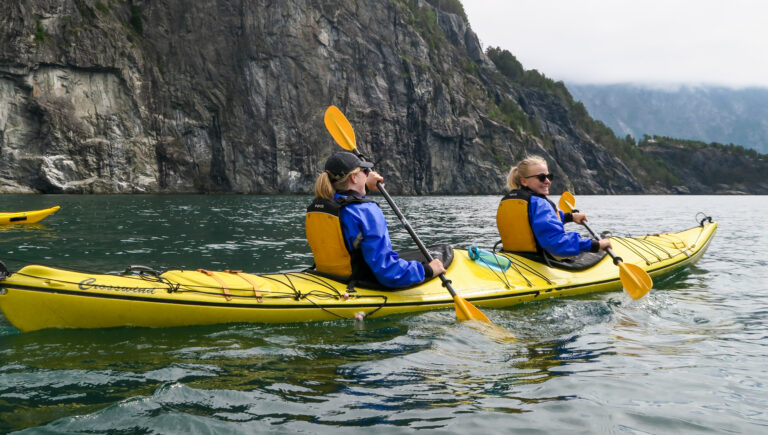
(324, 188)
(513, 179)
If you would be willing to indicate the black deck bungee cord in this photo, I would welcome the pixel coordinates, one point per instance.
(503, 277)
(315, 280)
(656, 245)
(705, 218)
(171, 287)
(651, 248)
(530, 270)
(624, 241)
(517, 269)
(511, 264)
(667, 238)
(525, 266)
(321, 293)
(634, 245)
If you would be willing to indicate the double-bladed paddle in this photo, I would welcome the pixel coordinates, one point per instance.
(341, 130)
(635, 280)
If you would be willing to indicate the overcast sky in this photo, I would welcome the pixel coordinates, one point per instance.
(615, 41)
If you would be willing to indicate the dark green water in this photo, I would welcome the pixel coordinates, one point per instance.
(688, 358)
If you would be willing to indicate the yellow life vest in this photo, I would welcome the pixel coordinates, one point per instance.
(326, 239)
(514, 224)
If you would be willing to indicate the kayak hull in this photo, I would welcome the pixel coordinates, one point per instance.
(38, 297)
(27, 217)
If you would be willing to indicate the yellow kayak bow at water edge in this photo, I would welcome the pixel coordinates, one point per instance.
(37, 297)
(27, 217)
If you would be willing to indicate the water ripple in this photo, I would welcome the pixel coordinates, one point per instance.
(688, 358)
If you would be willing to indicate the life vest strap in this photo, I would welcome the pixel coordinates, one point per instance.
(224, 287)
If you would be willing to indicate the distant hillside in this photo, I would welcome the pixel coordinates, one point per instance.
(684, 166)
(709, 114)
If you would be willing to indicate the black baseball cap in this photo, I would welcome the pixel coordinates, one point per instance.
(344, 162)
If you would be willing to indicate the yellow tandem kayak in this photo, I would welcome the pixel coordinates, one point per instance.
(27, 217)
(37, 297)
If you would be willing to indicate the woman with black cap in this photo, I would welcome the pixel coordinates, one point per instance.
(348, 233)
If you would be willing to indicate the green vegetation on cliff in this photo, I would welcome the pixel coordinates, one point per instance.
(644, 168)
(708, 168)
(450, 6)
(40, 35)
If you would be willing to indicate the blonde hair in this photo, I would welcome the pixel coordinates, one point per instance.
(521, 170)
(325, 188)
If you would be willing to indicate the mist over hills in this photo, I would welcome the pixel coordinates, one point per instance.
(705, 113)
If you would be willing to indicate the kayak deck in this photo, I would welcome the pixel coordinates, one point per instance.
(39, 297)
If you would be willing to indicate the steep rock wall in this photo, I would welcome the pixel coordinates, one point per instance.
(228, 96)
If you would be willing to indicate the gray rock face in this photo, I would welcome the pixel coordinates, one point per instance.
(222, 96)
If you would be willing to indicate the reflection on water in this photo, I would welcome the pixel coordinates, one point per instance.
(689, 357)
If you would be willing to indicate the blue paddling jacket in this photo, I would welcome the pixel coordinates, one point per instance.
(365, 228)
(547, 225)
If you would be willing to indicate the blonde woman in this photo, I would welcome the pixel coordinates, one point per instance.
(529, 222)
(348, 233)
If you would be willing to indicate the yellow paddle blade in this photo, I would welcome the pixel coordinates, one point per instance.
(635, 280)
(466, 311)
(340, 128)
(567, 202)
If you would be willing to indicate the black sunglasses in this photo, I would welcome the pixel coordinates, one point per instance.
(365, 171)
(542, 177)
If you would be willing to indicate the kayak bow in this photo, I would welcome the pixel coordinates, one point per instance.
(27, 217)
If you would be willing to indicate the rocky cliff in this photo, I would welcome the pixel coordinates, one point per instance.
(229, 95)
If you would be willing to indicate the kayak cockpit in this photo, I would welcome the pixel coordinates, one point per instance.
(443, 252)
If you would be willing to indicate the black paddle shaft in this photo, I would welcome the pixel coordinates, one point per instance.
(616, 260)
(422, 248)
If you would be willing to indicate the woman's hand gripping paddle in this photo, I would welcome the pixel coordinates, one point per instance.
(341, 130)
(635, 280)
